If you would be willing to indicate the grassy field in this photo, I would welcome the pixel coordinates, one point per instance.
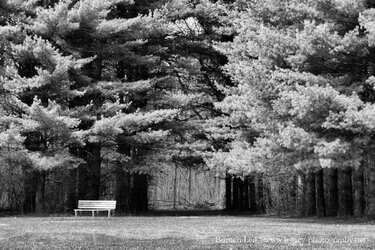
(184, 232)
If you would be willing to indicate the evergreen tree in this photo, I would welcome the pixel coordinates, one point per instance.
(138, 77)
(304, 75)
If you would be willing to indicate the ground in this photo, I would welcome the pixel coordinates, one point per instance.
(185, 232)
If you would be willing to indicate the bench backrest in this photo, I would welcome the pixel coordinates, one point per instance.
(93, 204)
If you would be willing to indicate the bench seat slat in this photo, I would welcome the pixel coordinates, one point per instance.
(82, 209)
(110, 207)
(97, 205)
(88, 208)
(92, 202)
(108, 201)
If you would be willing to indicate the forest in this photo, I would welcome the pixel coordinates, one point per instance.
(274, 98)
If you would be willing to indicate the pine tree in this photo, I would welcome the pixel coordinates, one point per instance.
(138, 76)
(304, 75)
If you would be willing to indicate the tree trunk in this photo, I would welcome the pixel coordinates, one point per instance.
(94, 171)
(72, 190)
(302, 191)
(246, 194)
(123, 188)
(30, 185)
(267, 196)
(333, 194)
(310, 194)
(252, 194)
(235, 204)
(320, 199)
(346, 194)
(82, 177)
(189, 191)
(228, 192)
(241, 196)
(370, 159)
(140, 193)
(260, 188)
(293, 191)
(359, 191)
(40, 192)
(175, 188)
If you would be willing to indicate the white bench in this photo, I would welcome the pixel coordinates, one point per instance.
(95, 206)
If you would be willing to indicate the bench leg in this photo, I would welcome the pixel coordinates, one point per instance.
(93, 213)
(75, 213)
(109, 213)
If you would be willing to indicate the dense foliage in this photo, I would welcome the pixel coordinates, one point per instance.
(304, 99)
(97, 92)
(278, 97)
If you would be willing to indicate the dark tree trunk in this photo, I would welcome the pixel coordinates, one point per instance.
(371, 193)
(332, 192)
(94, 171)
(260, 189)
(267, 195)
(293, 194)
(83, 179)
(310, 194)
(320, 199)
(72, 190)
(370, 170)
(246, 194)
(241, 196)
(228, 192)
(30, 192)
(140, 193)
(346, 192)
(175, 187)
(235, 204)
(252, 194)
(40, 193)
(122, 190)
(302, 192)
(189, 193)
(359, 191)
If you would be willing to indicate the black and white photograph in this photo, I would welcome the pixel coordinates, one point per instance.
(187, 124)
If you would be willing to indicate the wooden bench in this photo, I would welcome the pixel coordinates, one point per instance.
(95, 206)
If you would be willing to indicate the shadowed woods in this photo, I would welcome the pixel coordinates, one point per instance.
(256, 106)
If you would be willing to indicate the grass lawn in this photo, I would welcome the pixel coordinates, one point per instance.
(184, 232)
